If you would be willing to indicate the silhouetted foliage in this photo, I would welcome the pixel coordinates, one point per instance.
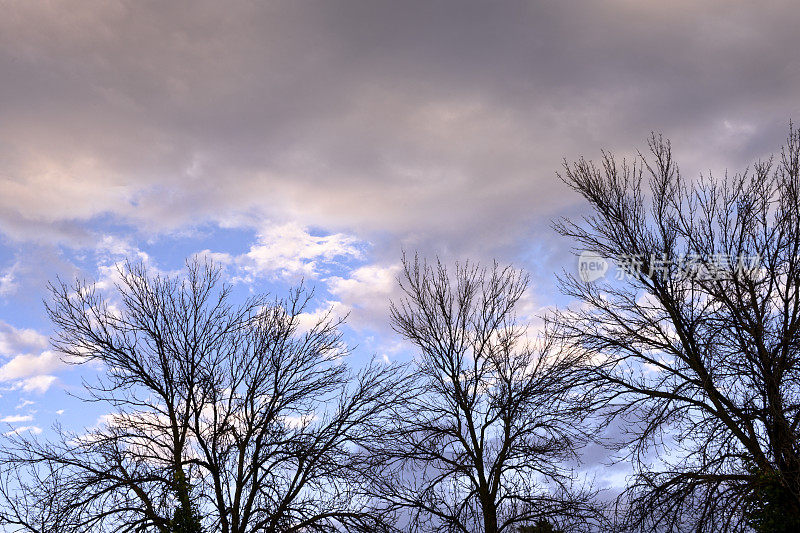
(767, 504)
(541, 526)
(185, 518)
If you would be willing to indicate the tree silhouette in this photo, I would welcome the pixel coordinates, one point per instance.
(185, 519)
(482, 443)
(696, 345)
(229, 418)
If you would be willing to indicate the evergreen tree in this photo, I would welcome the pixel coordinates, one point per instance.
(185, 519)
(541, 526)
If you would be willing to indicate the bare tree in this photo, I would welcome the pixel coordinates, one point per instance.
(239, 418)
(482, 445)
(697, 345)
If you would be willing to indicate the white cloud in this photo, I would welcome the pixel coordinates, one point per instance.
(218, 258)
(8, 281)
(333, 310)
(366, 293)
(14, 419)
(14, 340)
(38, 384)
(365, 281)
(114, 246)
(290, 250)
(31, 365)
(22, 429)
(112, 253)
(299, 422)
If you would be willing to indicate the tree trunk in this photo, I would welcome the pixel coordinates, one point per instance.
(489, 515)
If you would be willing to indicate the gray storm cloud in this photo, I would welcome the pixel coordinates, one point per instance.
(429, 122)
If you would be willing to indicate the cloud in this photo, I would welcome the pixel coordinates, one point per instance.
(114, 247)
(32, 372)
(330, 309)
(218, 258)
(24, 429)
(14, 340)
(30, 365)
(14, 419)
(290, 250)
(366, 293)
(111, 254)
(8, 282)
(428, 124)
(40, 384)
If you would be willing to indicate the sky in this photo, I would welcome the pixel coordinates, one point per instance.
(317, 141)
